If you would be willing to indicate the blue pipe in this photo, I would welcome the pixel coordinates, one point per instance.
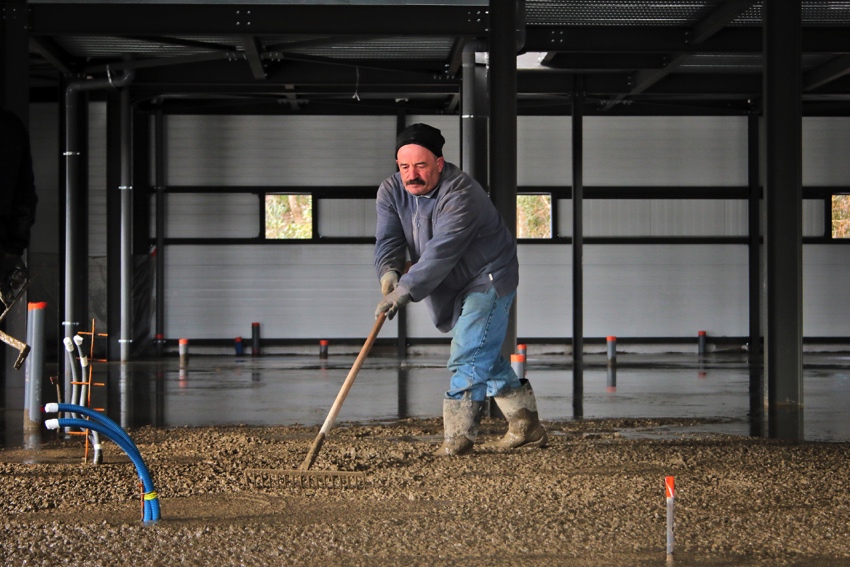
(119, 431)
(151, 500)
(95, 416)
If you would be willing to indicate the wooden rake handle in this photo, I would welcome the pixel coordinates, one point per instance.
(343, 392)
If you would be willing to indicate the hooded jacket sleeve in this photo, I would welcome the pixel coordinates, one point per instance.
(390, 243)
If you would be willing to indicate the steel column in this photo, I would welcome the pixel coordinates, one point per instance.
(126, 192)
(577, 246)
(113, 226)
(473, 120)
(754, 234)
(401, 317)
(159, 160)
(754, 268)
(75, 233)
(783, 199)
(503, 127)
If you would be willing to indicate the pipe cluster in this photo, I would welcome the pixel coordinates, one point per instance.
(113, 431)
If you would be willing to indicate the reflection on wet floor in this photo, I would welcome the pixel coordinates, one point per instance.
(286, 390)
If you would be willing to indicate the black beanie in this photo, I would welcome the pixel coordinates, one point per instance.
(422, 135)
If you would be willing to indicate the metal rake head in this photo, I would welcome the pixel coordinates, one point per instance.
(286, 478)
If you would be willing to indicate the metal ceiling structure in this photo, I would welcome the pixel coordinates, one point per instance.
(370, 56)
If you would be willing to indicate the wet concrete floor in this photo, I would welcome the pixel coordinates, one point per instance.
(287, 390)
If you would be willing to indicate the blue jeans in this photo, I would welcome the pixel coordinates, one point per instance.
(479, 369)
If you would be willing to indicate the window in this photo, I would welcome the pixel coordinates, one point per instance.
(841, 216)
(534, 216)
(289, 216)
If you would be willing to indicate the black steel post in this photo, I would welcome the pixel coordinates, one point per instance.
(783, 200)
(503, 127)
(473, 119)
(113, 224)
(401, 337)
(754, 268)
(577, 246)
(159, 161)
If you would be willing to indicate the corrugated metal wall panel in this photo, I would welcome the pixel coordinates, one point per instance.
(279, 150)
(630, 290)
(826, 146)
(814, 223)
(657, 217)
(544, 297)
(564, 220)
(635, 290)
(698, 218)
(663, 151)
(195, 215)
(616, 218)
(665, 290)
(292, 291)
(544, 150)
(826, 295)
(669, 217)
(299, 291)
(347, 217)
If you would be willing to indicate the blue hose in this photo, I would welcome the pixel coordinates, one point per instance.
(151, 500)
(93, 415)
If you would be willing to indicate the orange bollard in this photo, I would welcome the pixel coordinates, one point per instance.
(183, 349)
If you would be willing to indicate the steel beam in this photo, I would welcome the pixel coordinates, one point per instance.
(252, 48)
(666, 39)
(710, 25)
(826, 73)
(134, 18)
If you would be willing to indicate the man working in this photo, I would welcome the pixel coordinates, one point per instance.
(465, 267)
(17, 203)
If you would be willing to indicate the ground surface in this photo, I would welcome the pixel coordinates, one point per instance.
(595, 496)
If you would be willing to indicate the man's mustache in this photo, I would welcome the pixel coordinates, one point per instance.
(416, 181)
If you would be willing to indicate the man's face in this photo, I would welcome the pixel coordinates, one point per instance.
(420, 168)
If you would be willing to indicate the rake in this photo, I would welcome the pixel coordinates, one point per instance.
(303, 477)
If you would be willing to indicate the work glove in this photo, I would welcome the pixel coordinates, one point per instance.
(389, 281)
(13, 274)
(391, 303)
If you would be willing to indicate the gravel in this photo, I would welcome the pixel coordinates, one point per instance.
(595, 496)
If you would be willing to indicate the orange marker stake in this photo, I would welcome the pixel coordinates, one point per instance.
(518, 364)
(669, 483)
(183, 351)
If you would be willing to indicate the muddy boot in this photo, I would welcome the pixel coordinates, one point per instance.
(461, 419)
(524, 427)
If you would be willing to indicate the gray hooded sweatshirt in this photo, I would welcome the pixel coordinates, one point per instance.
(455, 237)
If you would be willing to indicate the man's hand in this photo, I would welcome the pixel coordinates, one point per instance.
(13, 274)
(389, 281)
(391, 303)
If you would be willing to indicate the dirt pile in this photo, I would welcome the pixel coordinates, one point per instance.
(595, 496)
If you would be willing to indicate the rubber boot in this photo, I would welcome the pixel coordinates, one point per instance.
(461, 419)
(524, 428)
